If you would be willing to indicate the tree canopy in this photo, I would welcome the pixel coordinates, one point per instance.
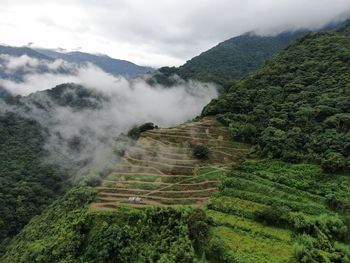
(297, 106)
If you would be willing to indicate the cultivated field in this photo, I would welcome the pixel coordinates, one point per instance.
(160, 168)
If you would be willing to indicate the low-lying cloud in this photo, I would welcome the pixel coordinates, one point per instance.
(14, 66)
(125, 103)
(156, 33)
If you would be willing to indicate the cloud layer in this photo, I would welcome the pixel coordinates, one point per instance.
(127, 103)
(156, 33)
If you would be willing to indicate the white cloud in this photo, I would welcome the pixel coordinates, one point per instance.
(130, 103)
(154, 32)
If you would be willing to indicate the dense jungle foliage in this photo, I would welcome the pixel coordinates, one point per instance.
(297, 107)
(69, 231)
(264, 211)
(27, 184)
(231, 59)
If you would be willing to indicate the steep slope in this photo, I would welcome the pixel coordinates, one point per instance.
(270, 211)
(108, 64)
(232, 58)
(161, 169)
(29, 182)
(297, 106)
(256, 211)
(70, 232)
(344, 28)
(28, 185)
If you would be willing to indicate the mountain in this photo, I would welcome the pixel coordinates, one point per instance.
(230, 59)
(296, 107)
(18, 62)
(162, 203)
(29, 180)
(28, 184)
(344, 28)
(108, 64)
(236, 57)
(20, 51)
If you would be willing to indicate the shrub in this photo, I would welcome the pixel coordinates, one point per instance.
(201, 151)
(216, 247)
(272, 215)
(93, 180)
(198, 228)
(135, 132)
(334, 162)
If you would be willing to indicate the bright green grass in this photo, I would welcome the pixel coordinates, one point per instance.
(235, 206)
(249, 249)
(276, 186)
(251, 227)
(304, 177)
(269, 199)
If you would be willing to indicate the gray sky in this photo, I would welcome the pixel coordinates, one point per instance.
(155, 32)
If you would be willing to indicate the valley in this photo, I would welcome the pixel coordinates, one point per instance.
(252, 167)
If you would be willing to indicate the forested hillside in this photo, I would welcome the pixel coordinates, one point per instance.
(344, 28)
(270, 187)
(27, 184)
(296, 108)
(70, 232)
(231, 59)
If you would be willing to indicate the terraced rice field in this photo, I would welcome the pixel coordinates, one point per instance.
(255, 186)
(161, 170)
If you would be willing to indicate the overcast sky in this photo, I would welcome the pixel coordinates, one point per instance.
(155, 32)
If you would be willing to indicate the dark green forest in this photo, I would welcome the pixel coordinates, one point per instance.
(295, 108)
(289, 202)
(27, 184)
(71, 232)
(231, 59)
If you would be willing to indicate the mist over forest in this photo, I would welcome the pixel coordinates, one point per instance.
(175, 131)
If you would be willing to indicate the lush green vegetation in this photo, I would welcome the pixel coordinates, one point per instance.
(200, 151)
(134, 133)
(271, 211)
(27, 184)
(296, 108)
(344, 28)
(231, 59)
(70, 232)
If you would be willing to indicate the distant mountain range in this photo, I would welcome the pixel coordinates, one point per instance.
(106, 63)
(236, 57)
(20, 51)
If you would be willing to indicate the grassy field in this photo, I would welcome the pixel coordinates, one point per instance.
(259, 211)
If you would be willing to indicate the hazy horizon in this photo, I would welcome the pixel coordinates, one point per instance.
(154, 33)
